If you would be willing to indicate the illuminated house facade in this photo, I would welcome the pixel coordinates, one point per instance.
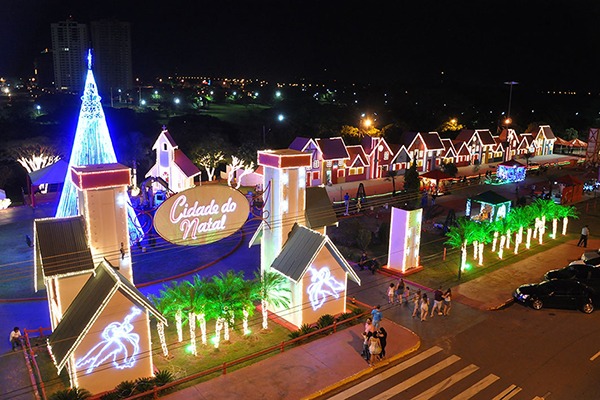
(334, 162)
(172, 165)
(294, 242)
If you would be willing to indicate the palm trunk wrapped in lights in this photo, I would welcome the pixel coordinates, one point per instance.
(518, 239)
(475, 248)
(537, 227)
(530, 231)
(245, 322)
(542, 230)
(463, 256)
(226, 330)
(265, 313)
(192, 324)
(218, 328)
(501, 247)
(481, 253)
(565, 222)
(554, 227)
(179, 325)
(201, 318)
(494, 241)
(508, 237)
(160, 327)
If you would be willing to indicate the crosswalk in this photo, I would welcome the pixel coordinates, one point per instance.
(432, 374)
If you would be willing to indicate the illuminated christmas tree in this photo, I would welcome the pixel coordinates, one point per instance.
(92, 145)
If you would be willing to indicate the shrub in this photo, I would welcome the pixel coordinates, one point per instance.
(295, 334)
(305, 329)
(161, 378)
(70, 394)
(325, 321)
(110, 396)
(344, 316)
(125, 388)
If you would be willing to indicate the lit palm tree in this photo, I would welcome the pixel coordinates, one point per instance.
(459, 237)
(200, 304)
(164, 307)
(271, 290)
(540, 210)
(482, 234)
(565, 212)
(171, 298)
(221, 293)
(521, 218)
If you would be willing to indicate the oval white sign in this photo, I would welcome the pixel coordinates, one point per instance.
(201, 215)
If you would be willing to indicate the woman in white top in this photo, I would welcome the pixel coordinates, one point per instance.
(424, 307)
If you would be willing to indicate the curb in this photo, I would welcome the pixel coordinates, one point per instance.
(365, 371)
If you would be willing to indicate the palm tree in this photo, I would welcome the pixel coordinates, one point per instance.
(171, 301)
(221, 293)
(481, 236)
(521, 218)
(392, 175)
(540, 209)
(565, 212)
(200, 304)
(460, 236)
(271, 290)
(164, 307)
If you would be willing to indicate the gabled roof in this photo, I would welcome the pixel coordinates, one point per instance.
(528, 138)
(487, 139)
(433, 141)
(61, 248)
(333, 148)
(547, 132)
(449, 150)
(302, 143)
(186, 165)
(319, 209)
(357, 156)
(299, 251)
(465, 135)
(490, 197)
(400, 155)
(409, 138)
(165, 133)
(88, 305)
(463, 150)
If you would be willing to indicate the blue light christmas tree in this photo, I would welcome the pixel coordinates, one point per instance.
(92, 145)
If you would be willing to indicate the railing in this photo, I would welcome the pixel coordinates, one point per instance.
(280, 348)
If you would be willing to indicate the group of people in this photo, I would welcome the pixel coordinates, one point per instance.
(374, 340)
(398, 293)
(441, 303)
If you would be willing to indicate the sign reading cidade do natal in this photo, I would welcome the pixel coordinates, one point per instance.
(201, 215)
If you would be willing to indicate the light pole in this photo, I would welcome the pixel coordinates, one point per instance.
(511, 83)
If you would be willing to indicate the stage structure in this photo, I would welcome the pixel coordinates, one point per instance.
(294, 242)
(92, 145)
(100, 321)
(405, 241)
(492, 207)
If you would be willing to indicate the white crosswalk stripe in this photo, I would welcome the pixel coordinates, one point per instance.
(428, 375)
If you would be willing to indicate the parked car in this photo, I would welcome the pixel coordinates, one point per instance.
(589, 257)
(584, 273)
(557, 293)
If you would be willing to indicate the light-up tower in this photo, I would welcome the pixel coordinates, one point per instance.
(92, 145)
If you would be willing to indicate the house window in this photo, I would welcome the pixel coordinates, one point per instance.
(356, 171)
(341, 173)
(386, 155)
(328, 164)
(164, 146)
(315, 163)
(420, 153)
(315, 176)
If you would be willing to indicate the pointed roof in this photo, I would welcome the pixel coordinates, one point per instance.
(186, 165)
(300, 143)
(490, 197)
(433, 141)
(165, 133)
(449, 150)
(92, 144)
(465, 135)
(333, 148)
(463, 150)
(512, 164)
(357, 156)
(300, 250)
(319, 209)
(547, 132)
(61, 248)
(88, 305)
(487, 139)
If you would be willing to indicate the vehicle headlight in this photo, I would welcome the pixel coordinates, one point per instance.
(523, 296)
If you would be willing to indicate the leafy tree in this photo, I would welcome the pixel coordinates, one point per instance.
(33, 154)
(222, 294)
(565, 212)
(450, 168)
(363, 238)
(571, 133)
(451, 126)
(271, 290)
(459, 237)
(411, 179)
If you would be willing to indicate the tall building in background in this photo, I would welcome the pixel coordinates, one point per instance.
(111, 41)
(69, 46)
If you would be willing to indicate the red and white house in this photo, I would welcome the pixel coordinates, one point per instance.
(308, 145)
(357, 167)
(380, 156)
(335, 156)
(544, 140)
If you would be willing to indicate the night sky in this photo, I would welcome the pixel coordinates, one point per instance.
(547, 44)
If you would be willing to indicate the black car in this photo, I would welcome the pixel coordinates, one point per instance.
(584, 273)
(591, 257)
(557, 293)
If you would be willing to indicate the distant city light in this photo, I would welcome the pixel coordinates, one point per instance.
(278, 94)
(143, 102)
(280, 117)
(176, 100)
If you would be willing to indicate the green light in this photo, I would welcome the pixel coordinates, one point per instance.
(189, 349)
(214, 340)
(467, 267)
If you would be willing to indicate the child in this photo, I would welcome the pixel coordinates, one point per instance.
(391, 292)
(406, 294)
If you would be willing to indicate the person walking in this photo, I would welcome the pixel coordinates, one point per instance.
(382, 335)
(400, 290)
(374, 348)
(377, 316)
(424, 307)
(406, 294)
(369, 327)
(438, 298)
(391, 293)
(347, 203)
(585, 232)
(416, 303)
(15, 338)
(447, 301)
(365, 352)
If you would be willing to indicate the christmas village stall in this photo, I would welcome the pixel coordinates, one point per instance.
(510, 171)
(570, 189)
(294, 242)
(487, 206)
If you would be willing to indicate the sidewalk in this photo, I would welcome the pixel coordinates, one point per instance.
(306, 371)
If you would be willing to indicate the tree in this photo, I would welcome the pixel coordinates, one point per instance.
(411, 179)
(33, 154)
(234, 166)
(571, 133)
(521, 218)
(459, 237)
(209, 161)
(392, 174)
(450, 168)
(221, 294)
(271, 290)
(481, 233)
(451, 125)
(565, 212)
